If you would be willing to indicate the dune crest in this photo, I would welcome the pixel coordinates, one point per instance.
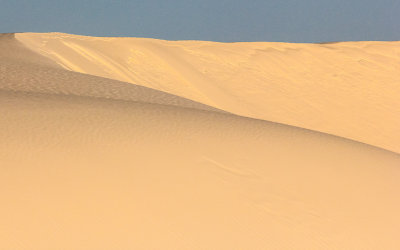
(24, 70)
(349, 89)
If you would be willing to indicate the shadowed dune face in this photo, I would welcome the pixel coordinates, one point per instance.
(24, 70)
(88, 162)
(12, 51)
(349, 89)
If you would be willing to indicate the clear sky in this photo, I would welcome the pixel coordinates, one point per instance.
(216, 20)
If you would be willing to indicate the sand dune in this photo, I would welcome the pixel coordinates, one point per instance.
(349, 89)
(24, 70)
(94, 163)
(84, 173)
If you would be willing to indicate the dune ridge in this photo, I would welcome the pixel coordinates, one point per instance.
(89, 162)
(42, 75)
(349, 89)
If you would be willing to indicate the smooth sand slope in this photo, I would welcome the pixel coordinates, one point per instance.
(88, 163)
(349, 89)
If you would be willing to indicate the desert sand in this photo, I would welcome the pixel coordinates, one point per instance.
(132, 143)
(348, 89)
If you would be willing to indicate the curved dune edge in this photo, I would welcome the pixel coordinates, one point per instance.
(86, 173)
(349, 89)
(26, 71)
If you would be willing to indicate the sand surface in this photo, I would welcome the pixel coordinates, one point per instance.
(93, 161)
(348, 89)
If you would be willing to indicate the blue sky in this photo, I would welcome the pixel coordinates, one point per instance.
(216, 20)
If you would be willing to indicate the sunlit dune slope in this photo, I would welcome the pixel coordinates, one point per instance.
(88, 162)
(90, 173)
(349, 89)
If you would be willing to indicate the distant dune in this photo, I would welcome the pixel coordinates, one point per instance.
(92, 158)
(349, 89)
